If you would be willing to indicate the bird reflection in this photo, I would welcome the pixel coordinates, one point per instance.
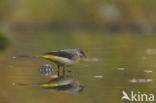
(65, 84)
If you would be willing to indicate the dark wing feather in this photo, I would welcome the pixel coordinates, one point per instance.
(60, 54)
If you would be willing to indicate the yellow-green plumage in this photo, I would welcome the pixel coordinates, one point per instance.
(59, 60)
(50, 57)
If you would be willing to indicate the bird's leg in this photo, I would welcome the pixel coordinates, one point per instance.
(63, 70)
(58, 72)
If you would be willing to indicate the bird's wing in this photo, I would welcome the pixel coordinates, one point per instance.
(60, 54)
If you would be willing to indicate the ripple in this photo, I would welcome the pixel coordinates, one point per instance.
(148, 71)
(92, 60)
(121, 69)
(134, 80)
(98, 76)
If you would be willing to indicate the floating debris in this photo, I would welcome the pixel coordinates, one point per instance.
(121, 68)
(148, 71)
(46, 69)
(91, 60)
(98, 76)
(14, 57)
(140, 80)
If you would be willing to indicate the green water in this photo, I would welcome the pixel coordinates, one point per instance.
(121, 61)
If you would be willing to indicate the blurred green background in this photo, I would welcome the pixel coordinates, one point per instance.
(100, 15)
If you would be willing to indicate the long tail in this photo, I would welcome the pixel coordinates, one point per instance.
(46, 85)
(16, 57)
(22, 84)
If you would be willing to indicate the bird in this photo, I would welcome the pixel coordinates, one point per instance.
(66, 84)
(64, 58)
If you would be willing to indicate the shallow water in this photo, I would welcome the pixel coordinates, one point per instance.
(115, 63)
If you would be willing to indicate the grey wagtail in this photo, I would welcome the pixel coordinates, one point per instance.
(62, 58)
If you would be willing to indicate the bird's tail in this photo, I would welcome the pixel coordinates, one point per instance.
(23, 84)
(17, 57)
(45, 85)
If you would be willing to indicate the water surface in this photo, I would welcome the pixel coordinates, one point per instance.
(115, 62)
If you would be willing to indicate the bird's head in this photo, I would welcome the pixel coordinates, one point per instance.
(81, 53)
